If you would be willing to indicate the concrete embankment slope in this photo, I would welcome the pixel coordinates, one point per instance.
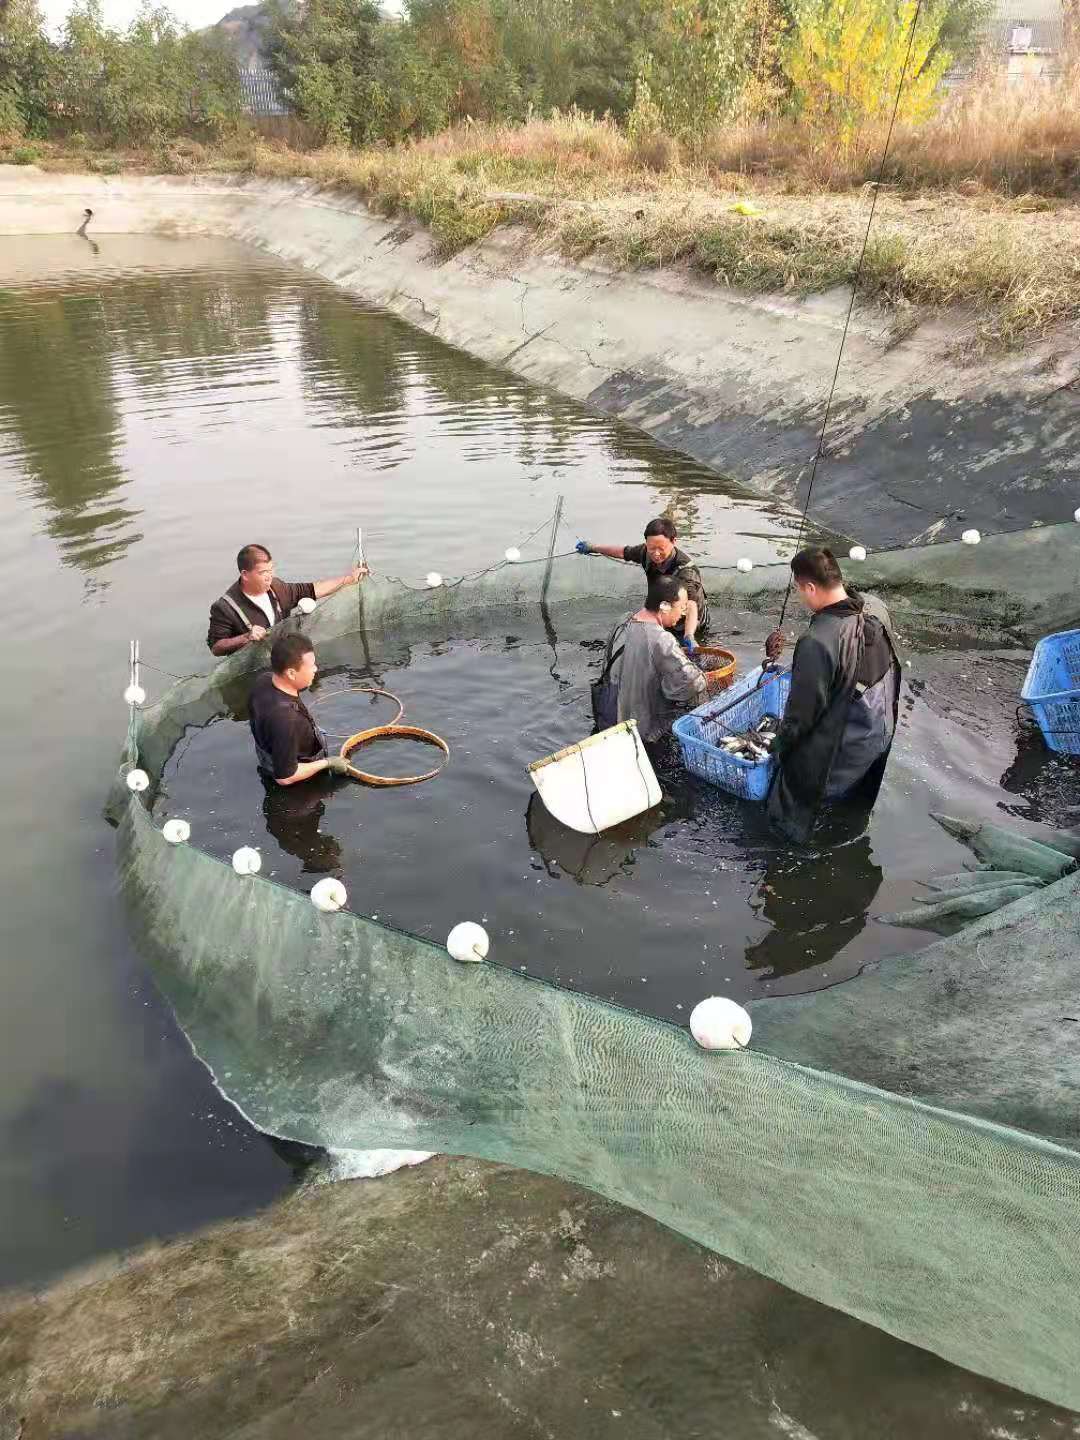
(920, 446)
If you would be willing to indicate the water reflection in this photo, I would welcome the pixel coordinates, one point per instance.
(1047, 784)
(392, 386)
(76, 375)
(294, 816)
(588, 859)
(59, 419)
(815, 906)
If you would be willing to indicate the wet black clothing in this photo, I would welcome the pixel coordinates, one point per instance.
(285, 735)
(225, 623)
(678, 563)
(840, 717)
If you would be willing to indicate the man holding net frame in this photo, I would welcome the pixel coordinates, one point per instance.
(259, 600)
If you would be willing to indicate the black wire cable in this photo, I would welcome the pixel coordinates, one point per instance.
(851, 303)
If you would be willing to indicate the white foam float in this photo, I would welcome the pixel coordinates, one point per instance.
(720, 1024)
(246, 860)
(176, 831)
(134, 695)
(328, 894)
(513, 554)
(306, 605)
(857, 552)
(598, 782)
(468, 941)
(971, 537)
(1076, 516)
(433, 580)
(744, 566)
(138, 781)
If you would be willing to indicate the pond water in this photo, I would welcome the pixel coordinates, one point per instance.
(690, 898)
(162, 402)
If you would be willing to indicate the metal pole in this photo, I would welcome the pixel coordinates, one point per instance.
(556, 521)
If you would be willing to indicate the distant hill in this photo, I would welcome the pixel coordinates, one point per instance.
(246, 30)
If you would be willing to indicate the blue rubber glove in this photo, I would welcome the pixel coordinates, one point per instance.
(688, 643)
(583, 547)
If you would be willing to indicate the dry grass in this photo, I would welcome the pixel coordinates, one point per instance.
(1015, 140)
(978, 208)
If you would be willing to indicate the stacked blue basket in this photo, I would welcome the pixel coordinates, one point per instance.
(699, 733)
(1052, 690)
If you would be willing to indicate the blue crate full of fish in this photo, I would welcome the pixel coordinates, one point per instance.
(702, 734)
(1052, 690)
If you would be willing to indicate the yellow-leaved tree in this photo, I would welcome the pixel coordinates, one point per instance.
(844, 59)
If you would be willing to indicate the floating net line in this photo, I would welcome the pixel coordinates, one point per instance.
(918, 1207)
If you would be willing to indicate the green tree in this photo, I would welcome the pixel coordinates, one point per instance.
(151, 82)
(462, 43)
(700, 64)
(26, 69)
(328, 56)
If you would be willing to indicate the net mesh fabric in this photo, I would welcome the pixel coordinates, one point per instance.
(951, 1231)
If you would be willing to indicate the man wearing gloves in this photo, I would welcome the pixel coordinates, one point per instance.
(656, 681)
(288, 744)
(660, 556)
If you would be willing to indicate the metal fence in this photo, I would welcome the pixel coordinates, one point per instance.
(261, 94)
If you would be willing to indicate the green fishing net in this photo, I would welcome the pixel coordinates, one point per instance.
(866, 1151)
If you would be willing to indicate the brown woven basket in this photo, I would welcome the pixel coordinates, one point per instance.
(717, 665)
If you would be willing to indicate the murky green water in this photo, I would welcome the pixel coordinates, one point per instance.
(160, 404)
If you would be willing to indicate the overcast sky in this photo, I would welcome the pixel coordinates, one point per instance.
(195, 13)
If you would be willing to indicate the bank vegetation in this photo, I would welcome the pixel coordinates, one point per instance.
(742, 139)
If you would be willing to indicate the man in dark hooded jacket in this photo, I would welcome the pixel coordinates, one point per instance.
(839, 721)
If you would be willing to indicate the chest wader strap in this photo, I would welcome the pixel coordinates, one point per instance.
(247, 624)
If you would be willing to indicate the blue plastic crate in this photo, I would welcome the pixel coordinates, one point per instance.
(1052, 690)
(699, 734)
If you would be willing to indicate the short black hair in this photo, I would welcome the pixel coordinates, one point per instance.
(288, 650)
(252, 555)
(818, 566)
(660, 526)
(663, 590)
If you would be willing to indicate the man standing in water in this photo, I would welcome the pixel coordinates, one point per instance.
(656, 681)
(288, 743)
(259, 600)
(661, 556)
(838, 725)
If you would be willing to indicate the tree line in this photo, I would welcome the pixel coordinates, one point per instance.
(359, 76)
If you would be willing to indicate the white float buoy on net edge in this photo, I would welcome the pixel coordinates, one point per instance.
(134, 695)
(246, 860)
(857, 552)
(433, 580)
(971, 537)
(1076, 516)
(467, 941)
(744, 566)
(138, 781)
(328, 894)
(306, 605)
(513, 554)
(176, 831)
(720, 1024)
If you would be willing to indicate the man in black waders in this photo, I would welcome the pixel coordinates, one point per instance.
(660, 555)
(288, 744)
(838, 725)
(259, 600)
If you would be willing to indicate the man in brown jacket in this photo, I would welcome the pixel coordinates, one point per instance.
(259, 600)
